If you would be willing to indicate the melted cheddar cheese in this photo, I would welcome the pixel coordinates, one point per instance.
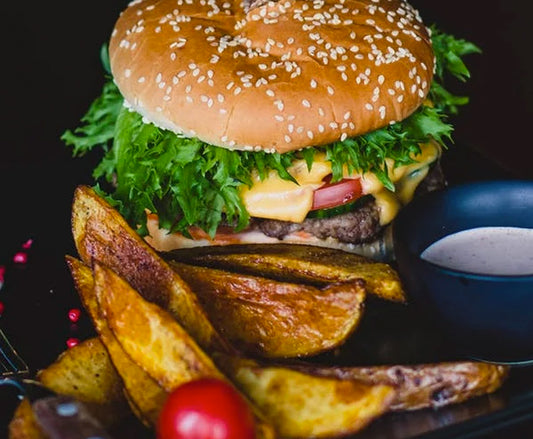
(275, 198)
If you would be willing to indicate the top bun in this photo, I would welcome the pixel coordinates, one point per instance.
(274, 76)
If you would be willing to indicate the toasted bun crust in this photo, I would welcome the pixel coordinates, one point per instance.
(274, 76)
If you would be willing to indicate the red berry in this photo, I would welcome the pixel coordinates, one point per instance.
(74, 315)
(2, 307)
(27, 245)
(71, 342)
(20, 258)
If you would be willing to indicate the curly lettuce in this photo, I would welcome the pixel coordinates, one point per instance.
(187, 182)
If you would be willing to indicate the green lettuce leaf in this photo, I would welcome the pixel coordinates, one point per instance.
(187, 182)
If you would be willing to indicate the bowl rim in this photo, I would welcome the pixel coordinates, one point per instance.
(476, 276)
(461, 187)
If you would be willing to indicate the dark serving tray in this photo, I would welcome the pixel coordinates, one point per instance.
(39, 294)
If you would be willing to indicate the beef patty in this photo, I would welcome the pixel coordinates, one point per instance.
(358, 226)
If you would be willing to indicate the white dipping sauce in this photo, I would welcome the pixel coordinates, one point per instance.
(485, 250)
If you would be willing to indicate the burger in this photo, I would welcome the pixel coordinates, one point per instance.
(225, 122)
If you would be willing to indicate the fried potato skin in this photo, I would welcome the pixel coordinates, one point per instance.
(301, 405)
(144, 395)
(144, 330)
(102, 234)
(23, 425)
(276, 319)
(86, 373)
(154, 339)
(425, 385)
(298, 263)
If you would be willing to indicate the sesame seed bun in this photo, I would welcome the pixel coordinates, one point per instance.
(274, 76)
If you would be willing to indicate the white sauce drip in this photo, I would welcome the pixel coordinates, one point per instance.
(485, 250)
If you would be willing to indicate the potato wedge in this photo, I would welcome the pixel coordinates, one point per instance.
(101, 233)
(86, 373)
(297, 263)
(425, 385)
(143, 394)
(302, 405)
(276, 319)
(23, 425)
(154, 339)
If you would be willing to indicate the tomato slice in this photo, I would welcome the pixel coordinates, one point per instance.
(337, 194)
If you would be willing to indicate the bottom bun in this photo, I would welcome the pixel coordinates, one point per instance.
(380, 249)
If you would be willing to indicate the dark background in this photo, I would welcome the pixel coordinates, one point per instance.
(51, 72)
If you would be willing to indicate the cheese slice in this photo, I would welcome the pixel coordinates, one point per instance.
(276, 198)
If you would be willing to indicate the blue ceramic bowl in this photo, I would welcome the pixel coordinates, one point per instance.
(487, 317)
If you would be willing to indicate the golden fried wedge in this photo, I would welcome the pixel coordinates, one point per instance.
(144, 395)
(86, 373)
(297, 263)
(101, 233)
(23, 425)
(301, 405)
(425, 385)
(276, 319)
(153, 338)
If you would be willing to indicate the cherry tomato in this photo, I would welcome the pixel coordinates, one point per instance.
(206, 408)
(336, 194)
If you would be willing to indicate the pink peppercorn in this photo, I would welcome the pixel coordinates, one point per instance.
(20, 258)
(27, 245)
(71, 342)
(74, 315)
